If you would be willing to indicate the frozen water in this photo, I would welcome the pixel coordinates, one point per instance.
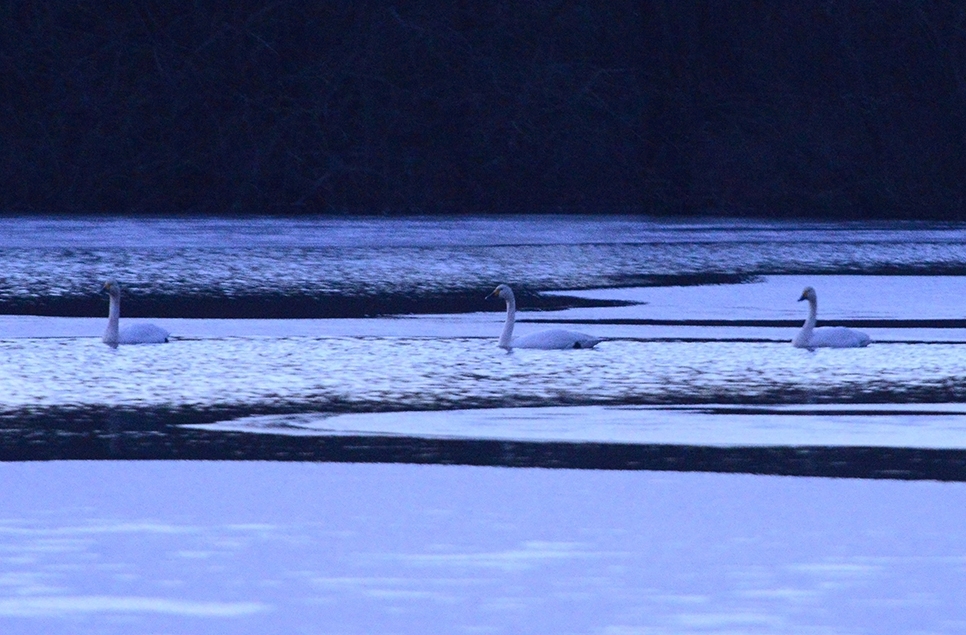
(937, 426)
(147, 547)
(775, 298)
(690, 344)
(258, 547)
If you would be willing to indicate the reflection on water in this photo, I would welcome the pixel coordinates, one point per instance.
(47, 265)
(343, 267)
(365, 374)
(272, 545)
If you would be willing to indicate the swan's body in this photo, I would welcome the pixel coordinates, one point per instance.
(826, 336)
(140, 333)
(548, 340)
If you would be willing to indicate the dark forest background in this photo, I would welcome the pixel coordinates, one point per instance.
(848, 109)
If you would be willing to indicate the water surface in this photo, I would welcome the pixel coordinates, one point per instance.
(373, 315)
(310, 355)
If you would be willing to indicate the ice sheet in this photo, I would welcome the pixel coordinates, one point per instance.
(253, 548)
(776, 298)
(937, 426)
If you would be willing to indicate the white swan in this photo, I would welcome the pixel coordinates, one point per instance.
(826, 336)
(552, 339)
(140, 333)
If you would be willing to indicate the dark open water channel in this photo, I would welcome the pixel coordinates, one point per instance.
(333, 317)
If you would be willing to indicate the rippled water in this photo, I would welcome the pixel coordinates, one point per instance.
(447, 359)
(387, 374)
(235, 268)
(394, 360)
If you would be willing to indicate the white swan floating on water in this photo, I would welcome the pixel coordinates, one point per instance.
(548, 340)
(826, 336)
(140, 333)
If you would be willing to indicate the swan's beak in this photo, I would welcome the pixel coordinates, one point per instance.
(804, 297)
(494, 293)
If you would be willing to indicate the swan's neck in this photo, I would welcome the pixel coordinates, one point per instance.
(511, 314)
(805, 335)
(812, 312)
(113, 317)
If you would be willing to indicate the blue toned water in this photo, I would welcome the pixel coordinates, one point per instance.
(650, 287)
(330, 345)
(118, 547)
(55, 266)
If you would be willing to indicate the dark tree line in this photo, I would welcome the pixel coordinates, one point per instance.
(853, 108)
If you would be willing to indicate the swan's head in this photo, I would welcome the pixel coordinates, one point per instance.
(112, 288)
(808, 294)
(502, 291)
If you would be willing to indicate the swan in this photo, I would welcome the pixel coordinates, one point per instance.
(826, 336)
(140, 333)
(552, 339)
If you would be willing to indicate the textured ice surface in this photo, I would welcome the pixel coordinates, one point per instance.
(940, 426)
(776, 298)
(144, 547)
(252, 547)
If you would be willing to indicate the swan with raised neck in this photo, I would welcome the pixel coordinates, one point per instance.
(139, 333)
(827, 336)
(548, 340)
